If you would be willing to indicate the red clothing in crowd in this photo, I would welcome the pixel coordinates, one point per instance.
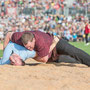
(87, 29)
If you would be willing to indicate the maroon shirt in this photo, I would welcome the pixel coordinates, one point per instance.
(42, 44)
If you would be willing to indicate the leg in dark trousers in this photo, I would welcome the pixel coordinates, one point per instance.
(86, 38)
(64, 48)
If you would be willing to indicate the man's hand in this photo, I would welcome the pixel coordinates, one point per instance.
(56, 39)
(16, 60)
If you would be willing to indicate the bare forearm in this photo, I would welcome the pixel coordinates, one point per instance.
(44, 59)
(7, 39)
(39, 60)
(52, 47)
(55, 41)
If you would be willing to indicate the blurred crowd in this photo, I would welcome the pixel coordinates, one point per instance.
(45, 17)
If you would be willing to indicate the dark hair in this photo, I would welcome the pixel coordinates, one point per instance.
(27, 36)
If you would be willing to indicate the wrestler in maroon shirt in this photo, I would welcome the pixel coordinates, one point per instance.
(42, 42)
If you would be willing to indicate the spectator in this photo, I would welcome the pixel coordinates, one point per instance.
(87, 28)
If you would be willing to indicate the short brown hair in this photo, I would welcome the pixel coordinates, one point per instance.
(27, 36)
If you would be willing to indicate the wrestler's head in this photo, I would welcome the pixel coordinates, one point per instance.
(16, 60)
